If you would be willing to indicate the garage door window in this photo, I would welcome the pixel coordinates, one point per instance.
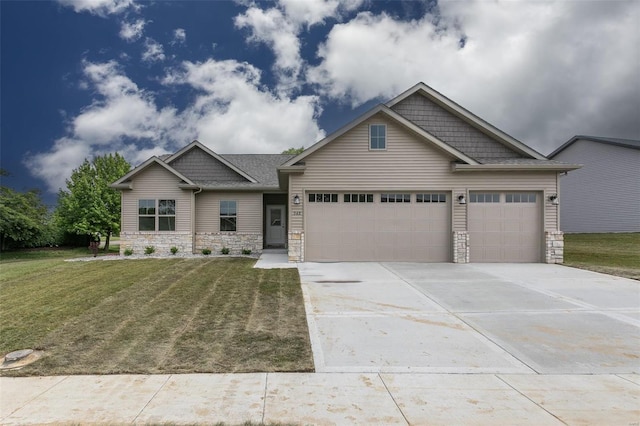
(479, 197)
(358, 198)
(323, 198)
(395, 198)
(431, 198)
(521, 197)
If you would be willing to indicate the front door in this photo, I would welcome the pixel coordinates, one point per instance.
(276, 226)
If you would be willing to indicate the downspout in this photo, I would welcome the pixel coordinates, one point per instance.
(193, 219)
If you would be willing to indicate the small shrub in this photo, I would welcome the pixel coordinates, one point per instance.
(246, 251)
(206, 251)
(128, 252)
(149, 250)
(174, 250)
(224, 250)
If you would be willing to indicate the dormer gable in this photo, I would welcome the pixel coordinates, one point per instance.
(202, 165)
(458, 127)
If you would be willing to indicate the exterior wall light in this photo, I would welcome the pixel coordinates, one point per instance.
(461, 199)
(553, 199)
(296, 199)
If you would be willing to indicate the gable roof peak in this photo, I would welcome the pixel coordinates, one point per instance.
(467, 116)
(197, 144)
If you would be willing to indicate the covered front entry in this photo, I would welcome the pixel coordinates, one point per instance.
(375, 226)
(505, 227)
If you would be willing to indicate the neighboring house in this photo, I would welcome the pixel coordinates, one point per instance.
(604, 195)
(417, 179)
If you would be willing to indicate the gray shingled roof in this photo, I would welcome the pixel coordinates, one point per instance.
(261, 167)
(627, 143)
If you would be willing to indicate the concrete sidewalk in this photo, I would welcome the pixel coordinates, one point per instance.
(324, 398)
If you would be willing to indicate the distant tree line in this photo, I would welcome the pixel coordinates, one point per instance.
(88, 206)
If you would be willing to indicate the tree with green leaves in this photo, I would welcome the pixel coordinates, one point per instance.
(23, 218)
(88, 205)
(293, 151)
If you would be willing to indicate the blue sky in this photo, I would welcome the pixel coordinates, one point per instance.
(84, 78)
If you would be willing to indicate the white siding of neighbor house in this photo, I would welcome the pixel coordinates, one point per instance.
(408, 164)
(604, 195)
(156, 183)
(248, 205)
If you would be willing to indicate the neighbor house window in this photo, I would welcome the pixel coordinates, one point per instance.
(146, 215)
(520, 197)
(228, 216)
(323, 198)
(395, 198)
(377, 136)
(480, 197)
(162, 218)
(166, 215)
(431, 198)
(358, 198)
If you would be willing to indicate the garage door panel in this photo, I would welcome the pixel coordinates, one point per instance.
(505, 231)
(377, 231)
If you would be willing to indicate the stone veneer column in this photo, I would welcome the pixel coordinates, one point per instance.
(460, 247)
(296, 246)
(554, 246)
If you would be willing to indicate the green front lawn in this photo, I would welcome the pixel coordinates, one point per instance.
(615, 254)
(153, 316)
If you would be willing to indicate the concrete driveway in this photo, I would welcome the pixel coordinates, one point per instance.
(472, 318)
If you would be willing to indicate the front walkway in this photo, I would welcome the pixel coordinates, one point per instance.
(323, 399)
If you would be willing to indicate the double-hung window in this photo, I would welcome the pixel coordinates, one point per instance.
(146, 215)
(160, 217)
(166, 215)
(228, 216)
(377, 137)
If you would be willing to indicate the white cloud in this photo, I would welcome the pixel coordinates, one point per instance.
(312, 12)
(132, 31)
(280, 27)
(153, 51)
(230, 112)
(272, 28)
(179, 36)
(100, 7)
(542, 81)
(55, 166)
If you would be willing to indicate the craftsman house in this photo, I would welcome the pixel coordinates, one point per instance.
(417, 179)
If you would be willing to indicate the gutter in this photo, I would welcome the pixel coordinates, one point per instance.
(456, 167)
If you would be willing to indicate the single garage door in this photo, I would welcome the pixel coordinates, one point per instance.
(408, 227)
(505, 227)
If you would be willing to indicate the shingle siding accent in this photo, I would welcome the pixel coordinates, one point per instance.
(452, 129)
(199, 166)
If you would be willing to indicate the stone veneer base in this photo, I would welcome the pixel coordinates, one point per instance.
(163, 241)
(554, 246)
(234, 241)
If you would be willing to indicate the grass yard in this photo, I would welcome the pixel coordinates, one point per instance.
(615, 254)
(153, 316)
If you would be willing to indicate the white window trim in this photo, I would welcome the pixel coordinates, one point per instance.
(386, 143)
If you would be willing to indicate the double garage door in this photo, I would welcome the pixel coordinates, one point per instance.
(416, 227)
(406, 227)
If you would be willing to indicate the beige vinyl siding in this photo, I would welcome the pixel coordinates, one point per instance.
(407, 165)
(156, 183)
(249, 211)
